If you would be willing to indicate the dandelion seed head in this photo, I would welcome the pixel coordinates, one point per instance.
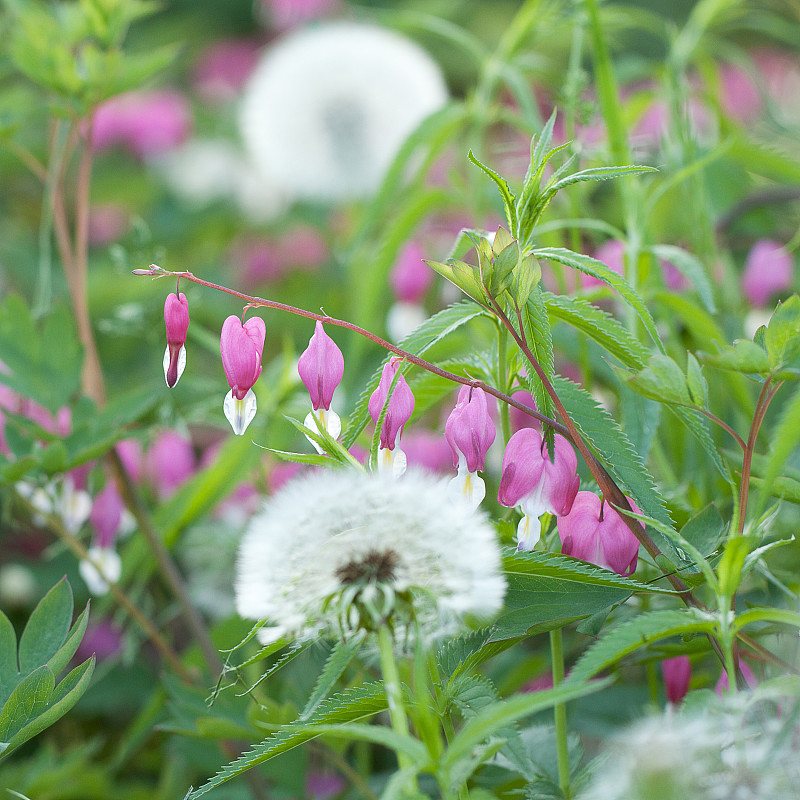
(331, 542)
(328, 107)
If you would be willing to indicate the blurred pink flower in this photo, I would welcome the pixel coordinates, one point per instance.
(427, 450)
(410, 277)
(301, 248)
(739, 94)
(223, 69)
(132, 457)
(102, 639)
(281, 474)
(768, 271)
(106, 515)
(612, 254)
(170, 462)
(677, 673)
(519, 419)
(283, 14)
(324, 785)
(107, 223)
(148, 123)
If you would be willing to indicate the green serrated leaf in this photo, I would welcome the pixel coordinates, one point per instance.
(348, 706)
(696, 382)
(505, 192)
(536, 327)
(464, 653)
(633, 634)
(597, 269)
(662, 380)
(430, 333)
(341, 656)
(599, 325)
(47, 628)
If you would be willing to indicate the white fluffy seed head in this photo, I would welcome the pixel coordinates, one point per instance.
(443, 554)
(328, 107)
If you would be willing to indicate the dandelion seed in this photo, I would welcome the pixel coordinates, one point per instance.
(337, 552)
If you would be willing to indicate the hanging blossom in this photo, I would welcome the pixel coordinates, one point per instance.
(593, 531)
(536, 484)
(103, 565)
(410, 279)
(677, 673)
(469, 431)
(338, 552)
(401, 406)
(241, 346)
(321, 367)
(176, 320)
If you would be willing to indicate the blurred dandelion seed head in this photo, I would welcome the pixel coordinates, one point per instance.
(335, 552)
(327, 109)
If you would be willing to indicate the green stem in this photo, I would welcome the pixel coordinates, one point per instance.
(560, 713)
(393, 689)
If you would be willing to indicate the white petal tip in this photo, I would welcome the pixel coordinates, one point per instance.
(240, 413)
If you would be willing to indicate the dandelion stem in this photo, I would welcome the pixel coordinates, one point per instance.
(560, 713)
(393, 689)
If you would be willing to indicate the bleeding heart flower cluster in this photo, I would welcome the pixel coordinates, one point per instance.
(535, 478)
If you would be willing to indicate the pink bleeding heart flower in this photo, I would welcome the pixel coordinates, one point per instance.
(530, 480)
(470, 432)
(399, 411)
(170, 462)
(106, 515)
(176, 319)
(768, 271)
(241, 346)
(677, 673)
(593, 531)
(321, 367)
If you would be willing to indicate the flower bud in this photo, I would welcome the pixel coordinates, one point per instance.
(401, 405)
(677, 673)
(241, 347)
(469, 429)
(321, 367)
(176, 318)
(593, 531)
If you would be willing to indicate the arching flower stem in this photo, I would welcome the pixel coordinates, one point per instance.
(258, 302)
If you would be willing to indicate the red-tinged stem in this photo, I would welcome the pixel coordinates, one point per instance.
(259, 302)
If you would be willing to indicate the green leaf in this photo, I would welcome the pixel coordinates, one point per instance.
(430, 333)
(343, 653)
(662, 380)
(597, 269)
(782, 337)
(47, 628)
(783, 487)
(690, 267)
(505, 192)
(66, 694)
(348, 706)
(61, 657)
(744, 356)
(599, 325)
(464, 653)
(43, 359)
(28, 700)
(400, 743)
(506, 712)
(463, 276)
(696, 382)
(782, 616)
(536, 327)
(705, 530)
(730, 567)
(8, 658)
(633, 634)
